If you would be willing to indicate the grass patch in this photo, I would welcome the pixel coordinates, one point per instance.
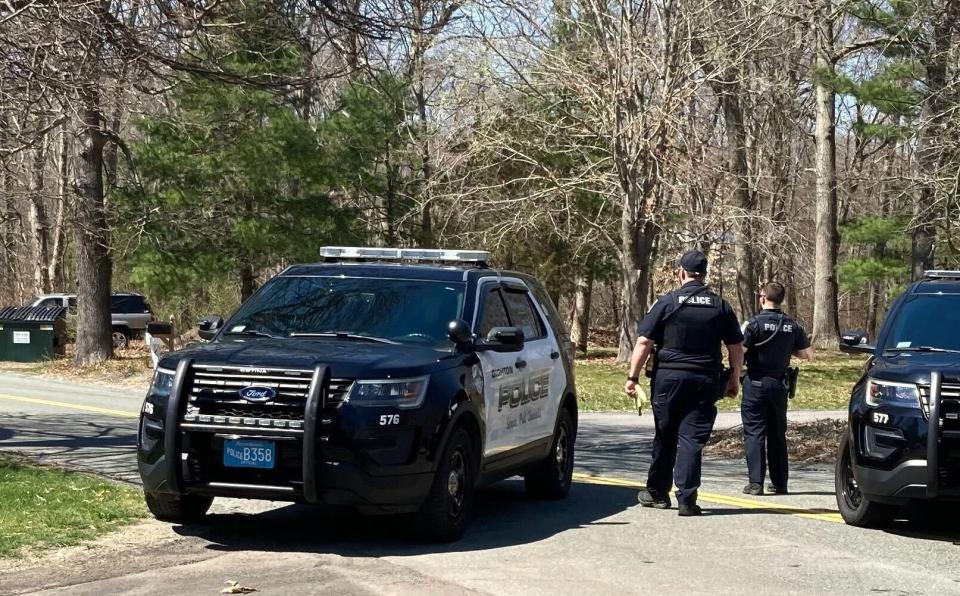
(45, 507)
(807, 443)
(824, 384)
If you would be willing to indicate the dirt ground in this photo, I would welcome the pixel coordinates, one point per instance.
(809, 443)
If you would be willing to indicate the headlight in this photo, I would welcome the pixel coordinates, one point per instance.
(889, 393)
(162, 382)
(401, 393)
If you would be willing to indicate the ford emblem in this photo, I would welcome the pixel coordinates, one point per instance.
(257, 394)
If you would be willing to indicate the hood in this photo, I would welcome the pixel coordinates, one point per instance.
(346, 358)
(915, 367)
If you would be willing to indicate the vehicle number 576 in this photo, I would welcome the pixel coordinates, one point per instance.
(389, 419)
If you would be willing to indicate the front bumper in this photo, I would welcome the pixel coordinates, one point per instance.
(908, 454)
(331, 459)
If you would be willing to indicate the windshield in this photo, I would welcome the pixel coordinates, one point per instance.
(406, 311)
(927, 321)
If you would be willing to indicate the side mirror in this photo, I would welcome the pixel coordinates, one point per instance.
(856, 342)
(209, 326)
(505, 339)
(460, 333)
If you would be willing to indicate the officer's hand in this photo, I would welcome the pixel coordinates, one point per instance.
(630, 389)
(733, 386)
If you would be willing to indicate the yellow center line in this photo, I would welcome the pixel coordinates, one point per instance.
(72, 406)
(717, 499)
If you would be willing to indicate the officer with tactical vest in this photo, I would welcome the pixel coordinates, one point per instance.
(771, 337)
(685, 329)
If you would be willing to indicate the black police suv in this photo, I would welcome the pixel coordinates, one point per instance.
(903, 439)
(392, 380)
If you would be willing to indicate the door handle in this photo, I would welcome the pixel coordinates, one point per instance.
(521, 364)
(554, 355)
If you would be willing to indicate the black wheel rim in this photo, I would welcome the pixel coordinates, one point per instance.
(563, 454)
(456, 483)
(849, 489)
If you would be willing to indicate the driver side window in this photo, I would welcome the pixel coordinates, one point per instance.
(494, 313)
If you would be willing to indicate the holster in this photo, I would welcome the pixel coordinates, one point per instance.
(652, 362)
(791, 381)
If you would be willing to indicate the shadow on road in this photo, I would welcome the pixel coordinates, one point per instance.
(503, 516)
(86, 442)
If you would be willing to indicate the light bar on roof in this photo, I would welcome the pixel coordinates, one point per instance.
(941, 274)
(361, 253)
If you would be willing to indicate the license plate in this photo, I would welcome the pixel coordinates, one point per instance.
(248, 453)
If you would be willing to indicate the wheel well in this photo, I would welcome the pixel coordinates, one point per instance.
(570, 403)
(469, 422)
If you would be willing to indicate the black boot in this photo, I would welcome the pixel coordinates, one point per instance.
(754, 488)
(654, 498)
(689, 510)
(777, 490)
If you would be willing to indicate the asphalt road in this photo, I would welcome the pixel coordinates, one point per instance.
(598, 541)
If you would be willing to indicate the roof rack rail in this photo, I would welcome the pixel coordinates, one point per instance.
(941, 274)
(478, 258)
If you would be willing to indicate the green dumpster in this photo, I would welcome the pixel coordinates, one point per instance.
(32, 334)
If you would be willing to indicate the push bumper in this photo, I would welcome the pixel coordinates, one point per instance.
(318, 479)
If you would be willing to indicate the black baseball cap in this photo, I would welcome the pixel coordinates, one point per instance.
(694, 261)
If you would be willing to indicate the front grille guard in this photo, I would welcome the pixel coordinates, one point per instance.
(176, 406)
(933, 436)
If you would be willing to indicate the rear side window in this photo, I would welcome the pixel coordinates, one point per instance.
(553, 316)
(494, 313)
(128, 304)
(524, 315)
(50, 303)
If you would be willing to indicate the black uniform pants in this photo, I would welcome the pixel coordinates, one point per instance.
(684, 409)
(764, 415)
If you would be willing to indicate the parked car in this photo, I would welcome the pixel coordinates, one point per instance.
(389, 380)
(130, 312)
(903, 439)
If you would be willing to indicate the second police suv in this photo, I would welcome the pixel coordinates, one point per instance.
(903, 438)
(392, 380)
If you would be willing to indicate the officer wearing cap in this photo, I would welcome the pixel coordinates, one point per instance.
(686, 328)
(771, 338)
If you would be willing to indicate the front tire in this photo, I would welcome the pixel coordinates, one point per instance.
(446, 512)
(183, 509)
(552, 477)
(855, 507)
(121, 338)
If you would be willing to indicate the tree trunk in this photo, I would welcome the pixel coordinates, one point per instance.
(923, 243)
(59, 233)
(826, 325)
(583, 295)
(94, 265)
(729, 92)
(39, 222)
(637, 234)
(248, 282)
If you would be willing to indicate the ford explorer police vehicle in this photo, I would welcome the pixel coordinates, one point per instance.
(392, 380)
(903, 442)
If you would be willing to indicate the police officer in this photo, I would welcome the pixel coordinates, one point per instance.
(686, 327)
(770, 337)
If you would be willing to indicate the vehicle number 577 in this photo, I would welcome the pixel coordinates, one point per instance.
(389, 419)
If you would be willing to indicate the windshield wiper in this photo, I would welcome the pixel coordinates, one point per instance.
(344, 335)
(251, 333)
(922, 349)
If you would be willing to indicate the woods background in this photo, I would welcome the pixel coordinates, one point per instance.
(190, 150)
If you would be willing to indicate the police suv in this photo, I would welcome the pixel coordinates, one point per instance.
(903, 442)
(392, 380)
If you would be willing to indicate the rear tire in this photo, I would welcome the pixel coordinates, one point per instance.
(552, 477)
(121, 338)
(181, 509)
(855, 507)
(446, 512)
